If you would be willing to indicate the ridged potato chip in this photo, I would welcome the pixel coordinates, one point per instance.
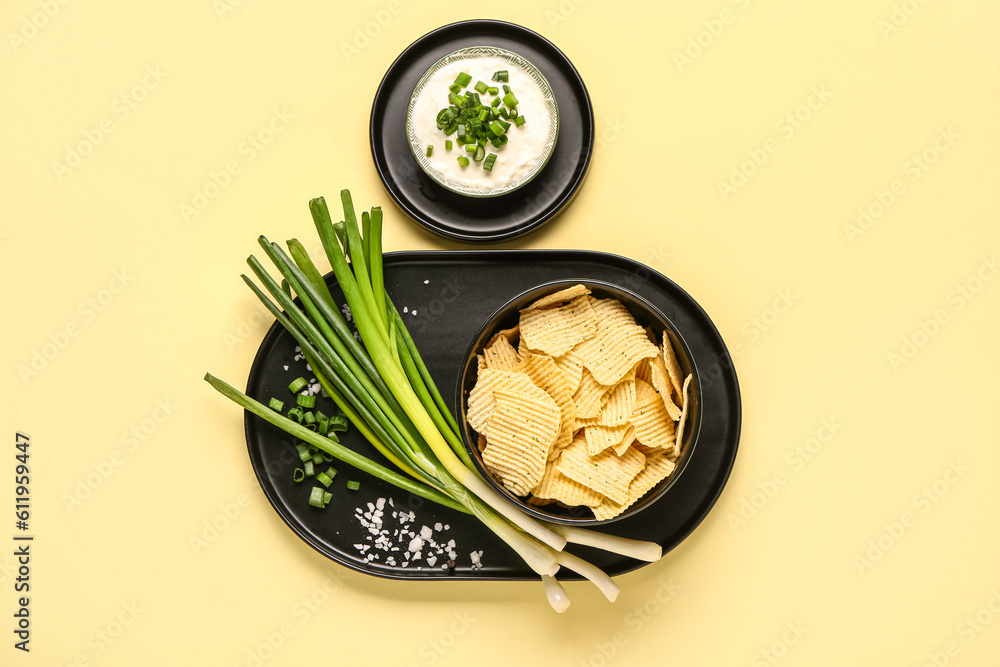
(653, 426)
(617, 344)
(556, 486)
(657, 468)
(618, 405)
(607, 473)
(660, 379)
(571, 365)
(601, 437)
(520, 432)
(501, 355)
(481, 402)
(546, 376)
(555, 331)
(678, 440)
(567, 294)
(671, 363)
(589, 396)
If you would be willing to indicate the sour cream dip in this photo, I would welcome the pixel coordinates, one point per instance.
(528, 147)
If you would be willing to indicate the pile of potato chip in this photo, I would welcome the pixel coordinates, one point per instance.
(578, 405)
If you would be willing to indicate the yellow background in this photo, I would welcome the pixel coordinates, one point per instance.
(812, 304)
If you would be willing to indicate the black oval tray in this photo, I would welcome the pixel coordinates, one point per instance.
(474, 219)
(452, 294)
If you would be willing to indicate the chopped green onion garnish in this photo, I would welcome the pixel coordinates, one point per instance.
(304, 451)
(331, 472)
(298, 475)
(492, 91)
(297, 385)
(463, 79)
(309, 467)
(338, 423)
(332, 435)
(497, 128)
(430, 150)
(463, 161)
(322, 425)
(480, 154)
(481, 87)
(316, 497)
(454, 88)
(519, 121)
(496, 102)
(353, 486)
(296, 414)
(324, 479)
(512, 113)
(500, 76)
(327, 497)
(510, 100)
(305, 401)
(488, 162)
(309, 419)
(447, 144)
(276, 405)
(317, 458)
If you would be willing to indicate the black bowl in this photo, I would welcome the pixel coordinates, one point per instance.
(645, 314)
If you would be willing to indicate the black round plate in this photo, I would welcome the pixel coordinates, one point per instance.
(473, 219)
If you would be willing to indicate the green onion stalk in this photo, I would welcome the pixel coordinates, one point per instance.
(383, 387)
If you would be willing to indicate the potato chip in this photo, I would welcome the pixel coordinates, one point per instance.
(589, 396)
(571, 365)
(481, 401)
(480, 364)
(600, 437)
(658, 467)
(627, 441)
(521, 429)
(685, 405)
(670, 361)
(642, 370)
(546, 376)
(501, 355)
(481, 443)
(562, 295)
(607, 473)
(511, 335)
(618, 405)
(555, 331)
(653, 426)
(556, 486)
(660, 379)
(617, 344)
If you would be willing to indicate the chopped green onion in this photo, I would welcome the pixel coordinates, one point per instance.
(338, 423)
(454, 88)
(496, 102)
(296, 414)
(298, 475)
(480, 154)
(304, 451)
(488, 162)
(492, 91)
(512, 113)
(510, 100)
(430, 150)
(317, 458)
(324, 479)
(331, 472)
(447, 145)
(316, 497)
(497, 128)
(309, 467)
(481, 87)
(519, 121)
(327, 497)
(305, 401)
(297, 385)
(322, 425)
(309, 419)
(276, 405)
(463, 79)
(500, 76)
(353, 486)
